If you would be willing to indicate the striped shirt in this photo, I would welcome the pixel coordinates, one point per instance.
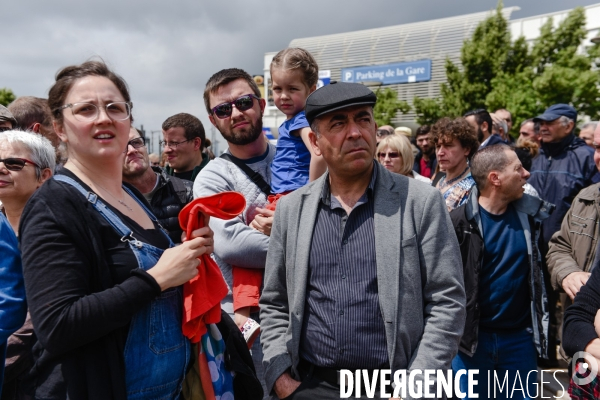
(343, 326)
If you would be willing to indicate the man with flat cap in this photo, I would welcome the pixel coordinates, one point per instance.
(7, 120)
(361, 271)
(564, 166)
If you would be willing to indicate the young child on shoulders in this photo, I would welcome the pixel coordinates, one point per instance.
(294, 76)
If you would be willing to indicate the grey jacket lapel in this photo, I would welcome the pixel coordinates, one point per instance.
(389, 204)
(307, 214)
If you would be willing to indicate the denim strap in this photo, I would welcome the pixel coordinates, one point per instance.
(107, 213)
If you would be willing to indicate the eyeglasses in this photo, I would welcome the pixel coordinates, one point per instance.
(391, 154)
(5, 128)
(173, 145)
(137, 142)
(16, 164)
(85, 112)
(242, 103)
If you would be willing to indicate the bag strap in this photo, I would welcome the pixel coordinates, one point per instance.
(252, 174)
(180, 189)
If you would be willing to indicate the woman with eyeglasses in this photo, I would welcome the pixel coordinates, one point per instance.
(395, 153)
(26, 162)
(103, 283)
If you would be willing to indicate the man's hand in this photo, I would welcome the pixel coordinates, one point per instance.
(263, 221)
(573, 283)
(285, 385)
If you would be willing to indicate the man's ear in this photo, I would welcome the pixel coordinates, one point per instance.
(262, 103)
(36, 127)
(197, 143)
(485, 127)
(212, 120)
(312, 137)
(494, 178)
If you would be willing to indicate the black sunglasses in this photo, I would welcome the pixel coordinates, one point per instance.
(16, 164)
(242, 103)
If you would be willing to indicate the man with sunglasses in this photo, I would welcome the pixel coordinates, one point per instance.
(166, 194)
(7, 120)
(235, 108)
(184, 140)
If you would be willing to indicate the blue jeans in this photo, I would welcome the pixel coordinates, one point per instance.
(501, 356)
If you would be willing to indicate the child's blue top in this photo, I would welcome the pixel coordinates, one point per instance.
(292, 161)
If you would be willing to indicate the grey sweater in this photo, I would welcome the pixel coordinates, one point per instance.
(235, 242)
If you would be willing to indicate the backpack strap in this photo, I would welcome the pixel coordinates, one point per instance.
(253, 175)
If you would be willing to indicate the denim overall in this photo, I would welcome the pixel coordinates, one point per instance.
(156, 351)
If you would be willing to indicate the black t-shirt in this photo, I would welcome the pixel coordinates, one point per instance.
(184, 175)
(119, 255)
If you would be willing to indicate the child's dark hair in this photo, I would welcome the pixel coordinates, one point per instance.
(294, 58)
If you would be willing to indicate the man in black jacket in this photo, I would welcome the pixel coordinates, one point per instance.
(498, 230)
(166, 194)
(481, 121)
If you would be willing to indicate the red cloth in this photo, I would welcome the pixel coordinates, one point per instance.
(246, 287)
(246, 281)
(274, 198)
(202, 295)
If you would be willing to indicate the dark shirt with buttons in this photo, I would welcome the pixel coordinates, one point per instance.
(343, 327)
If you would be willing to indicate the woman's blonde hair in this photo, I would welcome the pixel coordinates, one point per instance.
(401, 144)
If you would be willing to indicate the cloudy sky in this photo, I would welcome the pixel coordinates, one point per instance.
(167, 50)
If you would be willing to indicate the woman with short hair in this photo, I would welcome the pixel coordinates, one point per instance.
(27, 160)
(395, 153)
(456, 142)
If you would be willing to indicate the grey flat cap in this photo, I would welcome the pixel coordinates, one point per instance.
(335, 96)
(6, 115)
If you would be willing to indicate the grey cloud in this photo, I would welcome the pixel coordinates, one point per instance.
(167, 50)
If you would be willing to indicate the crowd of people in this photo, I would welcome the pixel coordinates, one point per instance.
(125, 275)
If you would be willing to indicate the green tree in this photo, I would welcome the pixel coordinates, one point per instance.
(387, 106)
(495, 73)
(6, 96)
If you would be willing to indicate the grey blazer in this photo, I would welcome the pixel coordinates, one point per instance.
(419, 274)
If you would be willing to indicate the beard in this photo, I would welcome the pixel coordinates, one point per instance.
(479, 134)
(245, 136)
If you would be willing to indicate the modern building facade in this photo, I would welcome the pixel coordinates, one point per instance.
(408, 58)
